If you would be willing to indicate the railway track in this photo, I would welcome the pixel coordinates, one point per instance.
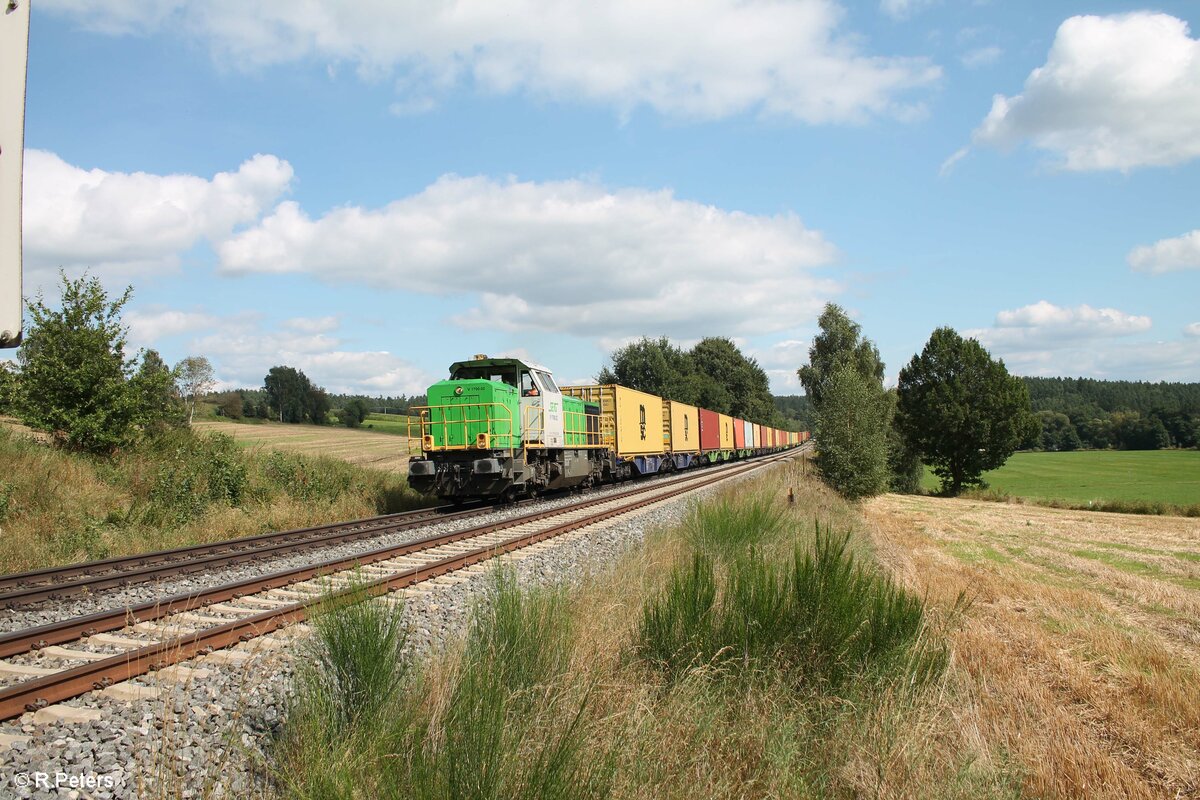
(56, 583)
(112, 647)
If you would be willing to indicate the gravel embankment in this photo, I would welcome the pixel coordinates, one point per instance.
(122, 597)
(208, 737)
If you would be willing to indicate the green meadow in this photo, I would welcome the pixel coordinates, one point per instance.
(389, 423)
(1084, 476)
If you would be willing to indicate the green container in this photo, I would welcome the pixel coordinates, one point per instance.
(461, 410)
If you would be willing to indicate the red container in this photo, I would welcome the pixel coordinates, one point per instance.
(710, 430)
(762, 432)
(774, 438)
(739, 434)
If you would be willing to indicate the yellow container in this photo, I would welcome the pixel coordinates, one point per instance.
(631, 420)
(684, 427)
(726, 425)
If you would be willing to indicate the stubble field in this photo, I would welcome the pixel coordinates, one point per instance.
(386, 452)
(1080, 647)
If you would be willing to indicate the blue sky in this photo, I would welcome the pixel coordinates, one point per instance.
(370, 191)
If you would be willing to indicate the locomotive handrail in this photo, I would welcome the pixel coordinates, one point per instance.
(487, 440)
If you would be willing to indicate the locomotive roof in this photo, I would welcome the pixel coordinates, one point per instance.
(498, 362)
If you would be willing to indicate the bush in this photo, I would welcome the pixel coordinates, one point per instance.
(819, 617)
(194, 471)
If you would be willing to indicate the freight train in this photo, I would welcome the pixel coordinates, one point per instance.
(501, 428)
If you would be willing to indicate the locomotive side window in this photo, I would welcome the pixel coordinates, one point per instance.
(528, 389)
(547, 382)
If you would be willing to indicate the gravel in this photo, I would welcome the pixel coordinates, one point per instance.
(122, 597)
(210, 737)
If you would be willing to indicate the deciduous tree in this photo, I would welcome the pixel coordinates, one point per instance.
(853, 421)
(195, 379)
(844, 383)
(74, 373)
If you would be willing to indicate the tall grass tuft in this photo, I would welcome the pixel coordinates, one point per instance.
(819, 617)
(508, 720)
(730, 525)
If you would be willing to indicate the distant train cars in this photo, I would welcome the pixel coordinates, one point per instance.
(502, 428)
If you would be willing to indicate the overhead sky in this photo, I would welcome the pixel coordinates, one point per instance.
(371, 190)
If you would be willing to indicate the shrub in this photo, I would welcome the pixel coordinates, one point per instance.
(820, 617)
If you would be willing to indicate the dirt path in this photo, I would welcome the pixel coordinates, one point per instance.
(1078, 658)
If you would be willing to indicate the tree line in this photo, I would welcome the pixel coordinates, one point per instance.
(1080, 413)
(714, 374)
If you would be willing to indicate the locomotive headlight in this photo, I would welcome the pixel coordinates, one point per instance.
(458, 390)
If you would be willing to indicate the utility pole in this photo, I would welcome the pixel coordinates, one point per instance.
(14, 61)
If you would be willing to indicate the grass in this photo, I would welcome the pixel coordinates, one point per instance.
(818, 677)
(1077, 659)
(1118, 480)
(396, 424)
(181, 488)
(502, 719)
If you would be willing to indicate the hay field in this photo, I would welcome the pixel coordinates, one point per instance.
(1084, 476)
(382, 451)
(1080, 651)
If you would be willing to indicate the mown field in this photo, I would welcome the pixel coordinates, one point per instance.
(366, 448)
(1149, 476)
(1079, 648)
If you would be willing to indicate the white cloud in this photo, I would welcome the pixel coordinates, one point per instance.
(1083, 318)
(1045, 339)
(312, 324)
(955, 157)
(902, 9)
(565, 255)
(147, 327)
(243, 348)
(1192, 330)
(132, 223)
(1116, 92)
(700, 60)
(981, 56)
(1167, 255)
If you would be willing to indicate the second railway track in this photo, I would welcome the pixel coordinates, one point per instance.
(117, 645)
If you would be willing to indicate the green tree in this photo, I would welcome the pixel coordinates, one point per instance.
(1057, 434)
(9, 382)
(287, 391)
(195, 375)
(652, 365)
(743, 380)
(317, 405)
(853, 413)
(839, 342)
(714, 374)
(961, 410)
(74, 373)
(354, 412)
(158, 402)
(230, 405)
(852, 433)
